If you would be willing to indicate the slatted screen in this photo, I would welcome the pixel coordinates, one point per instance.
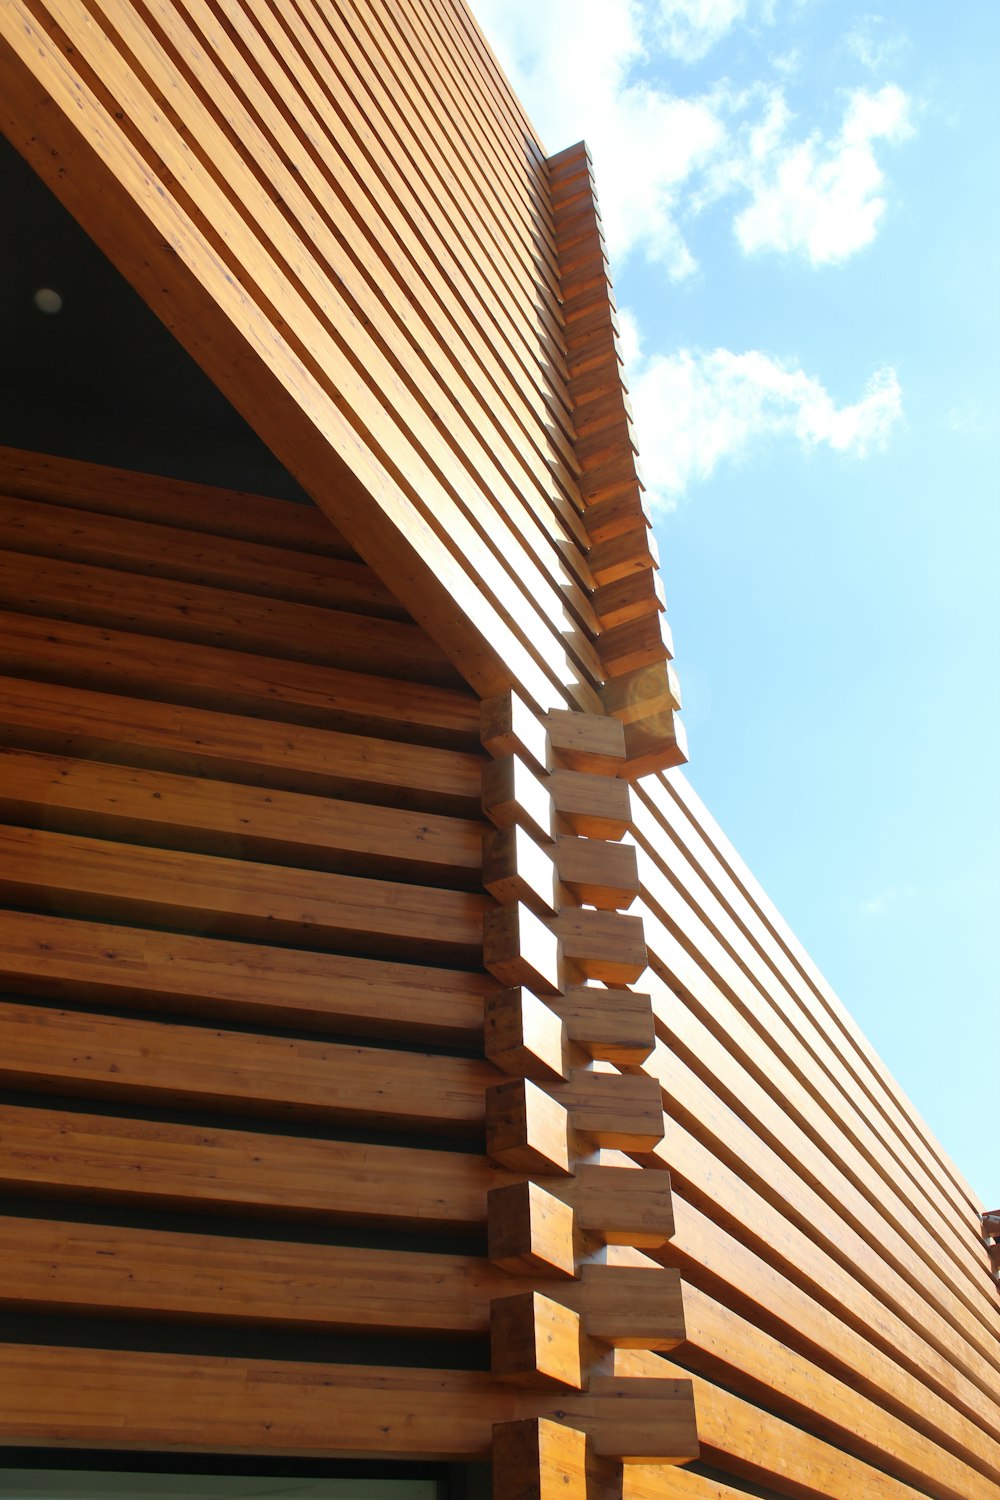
(240, 983)
(341, 211)
(842, 1322)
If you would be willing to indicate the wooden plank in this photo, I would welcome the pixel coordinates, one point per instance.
(411, 345)
(509, 728)
(512, 793)
(108, 1159)
(530, 1232)
(910, 1299)
(523, 1036)
(394, 153)
(620, 1205)
(603, 945)
(828, 1033)
(725, 1348)
(230, 618)
(314, 305)
(352, 173)
(155, 1064)
(260, 824)
(535, 1341)
(515, 868)
(539, 1460)
(585, 742)
(598, 873)
(716, 1187)
(612, 1025)
(715, 854)
(98, 1398)
(53, 718)
(266, 687)
(58, 958)
(177, 503)
(631, 597)
(526, 1129)
(236, 898)
(839, 1169)
(709, 1255)
(760, 1447)
(92, 1268)
(596, 807)
(618, 1111)
(226, 618)
(801, 1038)
(520, 950)
(180, 553)
(280, 388)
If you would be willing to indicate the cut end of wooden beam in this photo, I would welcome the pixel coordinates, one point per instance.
(586, 742)
(518, 949)
(526, 1129)
(656, 744)
(638, 696)
(634, 1307)
(516, 868)
(530, 1230)
(535, 1341)
(603, 945)
(509, 727)
(610, 1025)
(595, 807)
(622, 1205)
(513, 794)
(539, 1460)
(620, 1112)
(597, 872)
(654, 1421)
(524, 1037)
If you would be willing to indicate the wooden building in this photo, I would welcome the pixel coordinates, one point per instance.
(399, 1067)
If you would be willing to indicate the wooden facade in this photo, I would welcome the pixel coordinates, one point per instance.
(397, 1063)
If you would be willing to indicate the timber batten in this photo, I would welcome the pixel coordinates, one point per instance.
(367, 991)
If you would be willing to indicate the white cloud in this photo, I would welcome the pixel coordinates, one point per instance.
(874, 45)
(659, 157)
(646, 142)
(688, 29)
(697, 409)
(822, 198)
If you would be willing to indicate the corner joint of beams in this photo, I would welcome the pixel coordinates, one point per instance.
(563, 1019)
(635, 646)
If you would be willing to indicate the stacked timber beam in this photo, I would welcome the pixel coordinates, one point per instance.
(565, 950)
(635, 645)
(991, 1234)
(241, 994)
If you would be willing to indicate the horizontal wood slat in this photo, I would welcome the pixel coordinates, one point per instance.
(220, 817)
(161, 607)
(87, 1267)
(725, 1347)
(205, 893)
(103, 1158)
(59, 958)
(94, 1398)
(153, 1064)
(152, 550)
(805, 1020)
(205, 509)
(184, 672)
(371, 456)
(104, 726)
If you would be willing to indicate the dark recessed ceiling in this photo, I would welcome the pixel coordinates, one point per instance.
(102, 379)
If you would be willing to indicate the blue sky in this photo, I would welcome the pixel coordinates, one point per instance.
(802, 208)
